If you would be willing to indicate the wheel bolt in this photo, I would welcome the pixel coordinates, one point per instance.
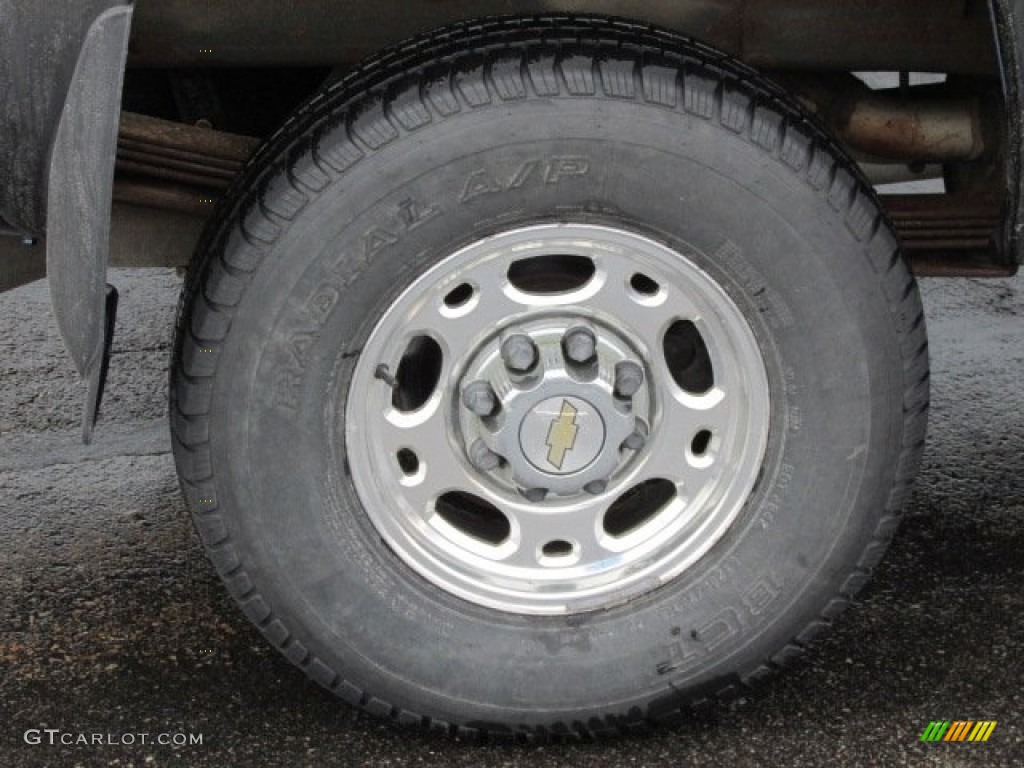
(534, 494)
(594, 487)
(519, 353)
(638, 439)
(479, 397)
(629, 376)
(579, 345)
(483, 458)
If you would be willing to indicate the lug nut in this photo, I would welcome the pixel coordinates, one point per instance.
(519, 353)
(579, 345)
(479, 397)
(594, 487)
(638, 439)
(534, 494)
(483, 458)
(629, 377)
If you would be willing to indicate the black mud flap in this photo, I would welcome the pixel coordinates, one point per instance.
(79, 202)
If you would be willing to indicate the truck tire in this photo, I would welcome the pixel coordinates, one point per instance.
(547, 377)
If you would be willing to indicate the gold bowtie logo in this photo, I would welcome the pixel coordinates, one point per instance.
(562, 435)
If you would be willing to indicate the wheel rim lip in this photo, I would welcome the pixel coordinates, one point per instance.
(458, 565)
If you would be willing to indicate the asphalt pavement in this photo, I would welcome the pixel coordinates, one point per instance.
(113, 624)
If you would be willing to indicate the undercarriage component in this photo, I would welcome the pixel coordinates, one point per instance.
(922, 124)
(950, 235)
(162, 164)
(884, 125)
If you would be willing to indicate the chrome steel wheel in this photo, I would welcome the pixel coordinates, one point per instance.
(557, 419)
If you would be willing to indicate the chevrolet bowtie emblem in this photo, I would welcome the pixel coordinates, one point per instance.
(562, 434)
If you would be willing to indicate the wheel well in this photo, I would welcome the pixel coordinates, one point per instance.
(220, 87)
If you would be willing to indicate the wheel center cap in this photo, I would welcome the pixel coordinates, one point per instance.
(562, 435)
